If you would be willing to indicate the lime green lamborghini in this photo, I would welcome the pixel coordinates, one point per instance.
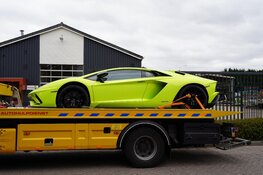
(125, 88)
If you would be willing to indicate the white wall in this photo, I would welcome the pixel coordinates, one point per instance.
(53, 50)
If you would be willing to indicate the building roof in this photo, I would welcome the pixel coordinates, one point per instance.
(62, 25)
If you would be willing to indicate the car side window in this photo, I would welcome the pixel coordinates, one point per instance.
(147, 74)
(93, 77)
(119, 75)
(123, 74)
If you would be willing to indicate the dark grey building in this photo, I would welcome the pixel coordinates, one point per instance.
(60, 51)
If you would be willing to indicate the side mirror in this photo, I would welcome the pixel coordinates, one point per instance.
(102, 77)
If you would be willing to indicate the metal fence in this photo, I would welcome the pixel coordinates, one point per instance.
(243, 92)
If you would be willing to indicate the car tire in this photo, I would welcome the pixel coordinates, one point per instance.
(72, 96)
(144, 148)
(196, 90)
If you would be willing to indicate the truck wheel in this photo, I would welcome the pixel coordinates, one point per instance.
(144, 148)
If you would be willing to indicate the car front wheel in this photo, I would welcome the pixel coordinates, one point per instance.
(72, 96)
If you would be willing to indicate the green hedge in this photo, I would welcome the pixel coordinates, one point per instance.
(251, 129)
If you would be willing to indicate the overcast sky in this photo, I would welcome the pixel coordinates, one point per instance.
(193, 35)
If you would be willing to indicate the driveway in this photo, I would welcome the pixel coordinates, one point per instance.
(243, 160)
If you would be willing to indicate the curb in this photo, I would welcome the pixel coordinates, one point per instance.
(257, 143)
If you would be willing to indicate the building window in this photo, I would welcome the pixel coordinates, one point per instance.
(52, 72)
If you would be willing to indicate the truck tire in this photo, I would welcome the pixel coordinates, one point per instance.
(144, 148)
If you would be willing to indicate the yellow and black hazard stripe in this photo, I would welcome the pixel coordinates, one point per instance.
(59, 113)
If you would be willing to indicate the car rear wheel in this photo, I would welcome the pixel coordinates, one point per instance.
(193, 90)
(72, 96)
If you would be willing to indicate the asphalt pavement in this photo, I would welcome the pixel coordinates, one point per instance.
(239, 161)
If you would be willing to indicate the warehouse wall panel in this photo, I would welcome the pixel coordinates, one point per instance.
(61, 46)
(21, 59)
(98, 56)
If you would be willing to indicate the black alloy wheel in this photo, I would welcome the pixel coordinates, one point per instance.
(72, 96)
(193, 90)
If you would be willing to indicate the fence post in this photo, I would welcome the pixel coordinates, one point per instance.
(241, 104)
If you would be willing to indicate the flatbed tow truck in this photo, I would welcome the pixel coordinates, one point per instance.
(144, 135)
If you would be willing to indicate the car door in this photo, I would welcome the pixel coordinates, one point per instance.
(120, 88)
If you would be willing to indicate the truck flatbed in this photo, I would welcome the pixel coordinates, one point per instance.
(109, 113)
(144, 135)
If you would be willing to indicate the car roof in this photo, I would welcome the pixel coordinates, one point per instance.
(125, 68)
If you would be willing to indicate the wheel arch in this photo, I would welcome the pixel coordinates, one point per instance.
(73, 83)
(159, 128)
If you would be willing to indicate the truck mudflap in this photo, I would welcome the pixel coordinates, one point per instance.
(228, 138)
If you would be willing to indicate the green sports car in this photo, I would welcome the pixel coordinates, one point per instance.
(125, 88)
